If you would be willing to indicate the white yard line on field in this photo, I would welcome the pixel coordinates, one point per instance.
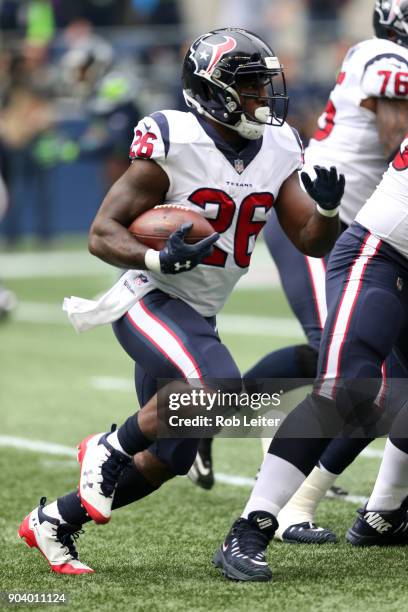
(49, 448)
(236, 324)
(53, 263)
(111, 383)
(37, 446)
(245, 325)
(372, 453)
(39, 312)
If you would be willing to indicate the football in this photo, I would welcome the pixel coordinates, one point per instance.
(153, 227)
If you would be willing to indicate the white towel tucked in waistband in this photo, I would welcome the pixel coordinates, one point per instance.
(129, 289)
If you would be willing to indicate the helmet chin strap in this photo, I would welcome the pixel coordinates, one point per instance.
(250, 130)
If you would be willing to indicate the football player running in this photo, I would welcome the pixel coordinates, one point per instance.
(362, 126)
(367, 315)
(232, 158)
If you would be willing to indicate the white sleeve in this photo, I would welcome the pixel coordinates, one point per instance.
(386, 76)
(151, 139)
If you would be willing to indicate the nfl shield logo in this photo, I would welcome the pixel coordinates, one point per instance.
(239, 166)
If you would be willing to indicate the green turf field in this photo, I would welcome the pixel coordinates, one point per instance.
(57, 387)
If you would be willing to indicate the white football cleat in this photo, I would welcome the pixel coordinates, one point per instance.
(101, 467)
(54, 540)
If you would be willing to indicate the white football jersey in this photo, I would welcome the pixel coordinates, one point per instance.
(347, 135)
(386, 212)
(234, 191)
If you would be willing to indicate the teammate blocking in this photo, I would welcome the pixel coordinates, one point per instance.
(359, 132)
(232, 158)
(367, 299)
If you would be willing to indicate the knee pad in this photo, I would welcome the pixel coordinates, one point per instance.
(177, 453)
(306, 359)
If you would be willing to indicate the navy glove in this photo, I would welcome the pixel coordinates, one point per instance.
(326, 190)
(178, 256)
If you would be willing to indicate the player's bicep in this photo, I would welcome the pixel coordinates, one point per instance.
(392, 122)
(294, 208)
(142, 186)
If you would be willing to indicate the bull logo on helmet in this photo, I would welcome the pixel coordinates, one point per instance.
(401, 160)
(206, 60)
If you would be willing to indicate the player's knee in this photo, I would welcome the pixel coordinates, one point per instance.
(177, 454)
(306, 359)
(315, 417)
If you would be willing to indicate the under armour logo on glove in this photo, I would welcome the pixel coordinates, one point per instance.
(179, 267)
(177, 256)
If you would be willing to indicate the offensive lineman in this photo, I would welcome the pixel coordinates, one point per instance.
(233, 158)
(362, 127)
(367, 315)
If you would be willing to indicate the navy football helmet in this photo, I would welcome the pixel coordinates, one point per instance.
(223, 69)
(391, 17)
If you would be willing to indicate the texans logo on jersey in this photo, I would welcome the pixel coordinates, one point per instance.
(207, 55)
(401, 160)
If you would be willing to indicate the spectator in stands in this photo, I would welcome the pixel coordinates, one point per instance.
(8, 299)
(113, 113)
(87, 59)
(26, 120)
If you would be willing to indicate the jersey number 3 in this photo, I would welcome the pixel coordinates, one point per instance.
(246, 227)
(326, 122)
(401, 160)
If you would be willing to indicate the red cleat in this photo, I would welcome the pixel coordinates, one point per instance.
(54, 540)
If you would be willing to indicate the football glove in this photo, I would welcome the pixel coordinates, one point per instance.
(326, 190)
(177, 256)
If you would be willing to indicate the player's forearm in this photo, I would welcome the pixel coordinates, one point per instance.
(318, 235)
(112, 243)
(139, 189)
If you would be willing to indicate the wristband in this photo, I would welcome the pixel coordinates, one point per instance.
(327, 213)
(152, 260)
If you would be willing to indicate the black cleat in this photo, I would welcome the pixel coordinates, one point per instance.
(242, 554)
(336, 492)
(380, 527)
(201, 472)
(308, 533)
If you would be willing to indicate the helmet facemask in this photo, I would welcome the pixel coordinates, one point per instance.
(262, 97)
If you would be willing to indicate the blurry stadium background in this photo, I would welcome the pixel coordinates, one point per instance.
(74, 77)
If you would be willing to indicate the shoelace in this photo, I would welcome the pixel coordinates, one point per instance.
(67, 537)
(252, 542)
(111, 470)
